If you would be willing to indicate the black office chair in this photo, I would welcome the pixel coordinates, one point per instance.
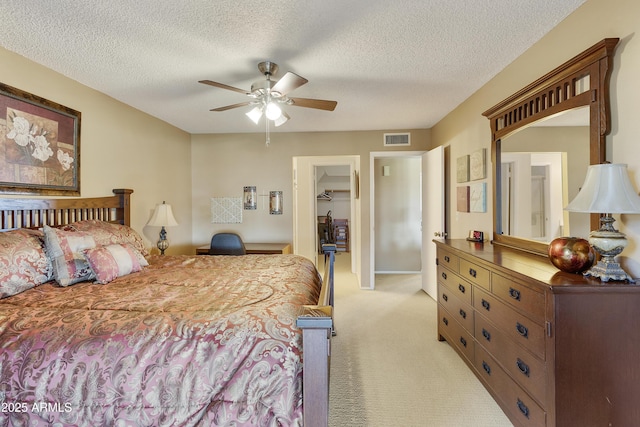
(227, 244)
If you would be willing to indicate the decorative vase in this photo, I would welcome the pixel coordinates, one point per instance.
(571, 254)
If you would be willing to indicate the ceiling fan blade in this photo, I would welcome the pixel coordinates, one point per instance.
(223, 86)
(288, 82)
(229, 107)
(320, 104)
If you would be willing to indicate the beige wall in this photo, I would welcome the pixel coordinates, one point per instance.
(465, 129)
(222, 164)
(120, 148)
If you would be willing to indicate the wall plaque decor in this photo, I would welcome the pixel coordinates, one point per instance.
(477, 165)
(40, 145)
(462, 169)
(275, 202)
(226, 210)
(478, 197)
(250, 198)
(462, 199)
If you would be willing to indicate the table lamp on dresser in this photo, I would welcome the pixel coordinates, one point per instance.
(162, 217)
(607, 190)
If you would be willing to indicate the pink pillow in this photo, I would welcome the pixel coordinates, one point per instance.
(106, 233)
(112, 261)
(65, 250)
(23, 261)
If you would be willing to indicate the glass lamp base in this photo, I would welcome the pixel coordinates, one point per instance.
(609, 243)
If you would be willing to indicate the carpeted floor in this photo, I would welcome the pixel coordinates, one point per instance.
(389, 370)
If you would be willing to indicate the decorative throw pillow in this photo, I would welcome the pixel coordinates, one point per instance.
(112, 261)
(23, 261)
(106, 233)
(65, 250)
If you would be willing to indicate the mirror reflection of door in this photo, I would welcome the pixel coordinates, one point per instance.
(567, 133)
(535, 183)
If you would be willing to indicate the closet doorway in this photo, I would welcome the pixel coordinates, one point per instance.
(308, 171)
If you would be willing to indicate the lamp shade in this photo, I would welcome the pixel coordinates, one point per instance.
(162, 216)
(606, 189)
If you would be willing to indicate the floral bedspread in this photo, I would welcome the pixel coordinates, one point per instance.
(188, 341)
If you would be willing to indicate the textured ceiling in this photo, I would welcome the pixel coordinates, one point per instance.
(389, 64)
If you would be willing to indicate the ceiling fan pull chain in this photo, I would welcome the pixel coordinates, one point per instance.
(267, 131)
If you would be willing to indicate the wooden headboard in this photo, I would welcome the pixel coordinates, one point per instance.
(35, 213)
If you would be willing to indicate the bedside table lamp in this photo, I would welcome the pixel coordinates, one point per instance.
(162, 216)
(607, 190)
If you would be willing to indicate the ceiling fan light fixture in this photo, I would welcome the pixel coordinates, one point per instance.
(273, 112)
(255, 114)
(282, 119)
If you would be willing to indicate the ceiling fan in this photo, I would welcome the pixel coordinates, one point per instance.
(267, 95)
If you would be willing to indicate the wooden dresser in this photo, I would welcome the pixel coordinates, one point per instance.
(553, 348)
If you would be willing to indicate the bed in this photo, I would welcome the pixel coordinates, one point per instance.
(116, 336)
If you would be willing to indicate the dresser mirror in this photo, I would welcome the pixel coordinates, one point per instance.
(543, 139)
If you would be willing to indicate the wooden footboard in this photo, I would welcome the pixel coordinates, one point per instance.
(317, 327)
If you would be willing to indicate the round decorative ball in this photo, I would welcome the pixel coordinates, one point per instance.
(571, 254)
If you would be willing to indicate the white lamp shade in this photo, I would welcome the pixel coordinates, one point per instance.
(273, 112)
(162, 216)
(255, 114)
(606, 189)
(282, 119)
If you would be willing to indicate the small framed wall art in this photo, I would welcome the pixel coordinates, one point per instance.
(250, 198)
(275, 202)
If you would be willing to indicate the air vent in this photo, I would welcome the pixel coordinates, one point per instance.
(396, 139)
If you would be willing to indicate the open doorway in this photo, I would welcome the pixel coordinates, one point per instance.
(396, 213)
(429, 179)
(308, 171)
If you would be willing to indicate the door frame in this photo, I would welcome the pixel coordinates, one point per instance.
(372, 204)
(305, 230)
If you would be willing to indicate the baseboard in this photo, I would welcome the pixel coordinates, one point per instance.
(397, 272)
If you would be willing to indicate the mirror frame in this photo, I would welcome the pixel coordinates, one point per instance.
(552, 94)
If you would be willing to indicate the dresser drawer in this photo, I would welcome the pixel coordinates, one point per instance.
(475, 274)
(460, 288)
(515, 325)
(462, 312)
(519, 296)
(514, 399)
(455, 334)
(526, 369)
(449, 260)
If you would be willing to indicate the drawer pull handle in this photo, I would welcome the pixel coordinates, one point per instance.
(522, 330)
(446, 258)
(486, 334)
(486, 305)
(472, 272)
(523, 408)
(444, 275)
(463, 341)
(486, 367)
(461, 288)
(463, 314)
(445, 297)
(515, 294)
(445, 321)
(524, 368)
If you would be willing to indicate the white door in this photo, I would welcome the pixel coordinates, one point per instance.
(432, 215)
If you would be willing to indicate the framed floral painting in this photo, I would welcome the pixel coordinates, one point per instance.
(39, 145)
